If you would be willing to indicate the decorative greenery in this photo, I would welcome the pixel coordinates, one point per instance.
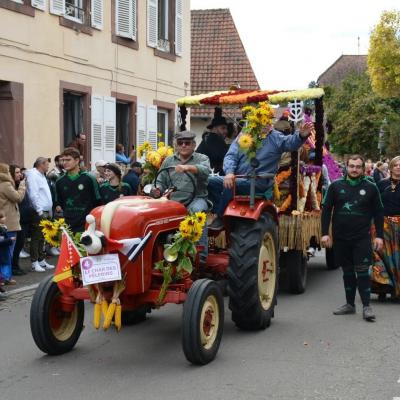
(153, 159)
(52, 232)
(384, 55)
(256, 130)
(182, 248)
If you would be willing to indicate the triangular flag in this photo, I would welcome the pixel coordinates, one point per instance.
(69, 256)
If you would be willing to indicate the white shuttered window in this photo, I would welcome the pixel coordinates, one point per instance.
(57, 7)
(152, 23)
(179, 27)
(39, 4)
(103, 129)
(125, 18)
(152, 125)
(97, 14)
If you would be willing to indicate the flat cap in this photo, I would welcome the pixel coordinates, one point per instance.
(185, 135)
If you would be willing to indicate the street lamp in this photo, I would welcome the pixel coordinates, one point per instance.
(381, 140)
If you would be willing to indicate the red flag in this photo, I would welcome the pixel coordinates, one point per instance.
(69, 256)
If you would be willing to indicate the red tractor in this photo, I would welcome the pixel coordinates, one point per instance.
(249, 266)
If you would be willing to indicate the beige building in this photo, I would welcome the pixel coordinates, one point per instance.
(111, 69)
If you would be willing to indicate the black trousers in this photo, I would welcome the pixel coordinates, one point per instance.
(355, 258)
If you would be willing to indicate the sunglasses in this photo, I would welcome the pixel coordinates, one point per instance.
(184, 142)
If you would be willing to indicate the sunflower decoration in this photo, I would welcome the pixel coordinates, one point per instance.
(182, 250)
(258, 119)
(153, 159)
(52, 231)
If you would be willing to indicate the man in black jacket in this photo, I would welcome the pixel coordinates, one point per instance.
(355, 201)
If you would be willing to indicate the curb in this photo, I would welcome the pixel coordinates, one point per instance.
(22, 289)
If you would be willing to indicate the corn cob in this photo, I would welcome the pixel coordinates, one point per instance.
(109, 315)
(104, 307)
(118, 316)
(96, 315)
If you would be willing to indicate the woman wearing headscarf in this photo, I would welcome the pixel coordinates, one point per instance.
(10, 196)
(386, 268)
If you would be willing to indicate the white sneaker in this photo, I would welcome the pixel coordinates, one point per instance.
(44, 264)
(36, 267)
(24, 254)
(54, 251)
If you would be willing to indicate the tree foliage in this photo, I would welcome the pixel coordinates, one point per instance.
(357, 114)
(384, 55)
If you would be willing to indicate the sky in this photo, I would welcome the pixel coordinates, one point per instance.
(291, 43)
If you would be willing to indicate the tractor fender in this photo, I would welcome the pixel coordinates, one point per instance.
(241, 209)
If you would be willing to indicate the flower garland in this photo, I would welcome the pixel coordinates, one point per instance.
(281, 177)
(195, 100)
(153, 159)
(183, 250)
(284, 97)
(257, 118)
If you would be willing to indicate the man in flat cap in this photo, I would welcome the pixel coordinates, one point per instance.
(188, 172)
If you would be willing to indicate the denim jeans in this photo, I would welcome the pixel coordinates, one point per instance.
(200, 204)
(5, 267)
(221, 196)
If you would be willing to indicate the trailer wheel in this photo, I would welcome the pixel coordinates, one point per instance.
(54, 330)
(296, 271)
(330, 259)
(203, 322)
(253, 272)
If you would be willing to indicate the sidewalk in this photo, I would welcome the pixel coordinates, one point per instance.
(31, 279)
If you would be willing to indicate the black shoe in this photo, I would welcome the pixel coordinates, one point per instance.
(216, 225)
(18, 272)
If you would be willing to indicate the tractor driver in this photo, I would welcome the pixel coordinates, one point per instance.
(187, 171)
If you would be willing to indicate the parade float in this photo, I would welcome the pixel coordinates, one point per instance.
(298, 186)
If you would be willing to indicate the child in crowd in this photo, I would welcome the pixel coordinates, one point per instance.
(5, 256)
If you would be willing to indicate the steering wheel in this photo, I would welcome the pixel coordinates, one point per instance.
(192, 181)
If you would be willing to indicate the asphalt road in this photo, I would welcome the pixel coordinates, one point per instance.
(307, 353)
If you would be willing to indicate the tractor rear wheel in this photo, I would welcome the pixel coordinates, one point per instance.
(296, 271)
(203, 322)
(54, 330)
(253, 272)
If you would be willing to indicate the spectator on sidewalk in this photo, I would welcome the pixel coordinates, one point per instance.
(132, 177)
(100, 171)
(40, 196)
(5, 245)
(77, 192)
(114, 188)
(15, 172)
(352, 203)
(379, 172)
(9, 199)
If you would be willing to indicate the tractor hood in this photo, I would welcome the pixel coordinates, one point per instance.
(134, 216)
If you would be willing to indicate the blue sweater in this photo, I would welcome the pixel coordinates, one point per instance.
(269, 155)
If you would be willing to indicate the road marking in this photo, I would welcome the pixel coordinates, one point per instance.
(25, 289)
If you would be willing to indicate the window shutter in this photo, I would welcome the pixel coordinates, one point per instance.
(40, 4)
(152, 23)
(179, 27)
(109, 128)
(97, 130)
(152, 125)
(57, 7)
(140, 126)
(123, 18)
(134, 19)
(97, 14)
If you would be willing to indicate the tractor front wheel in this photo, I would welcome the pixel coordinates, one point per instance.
(253, 272)
(296, 271)
(54, 330)
(203, 322)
